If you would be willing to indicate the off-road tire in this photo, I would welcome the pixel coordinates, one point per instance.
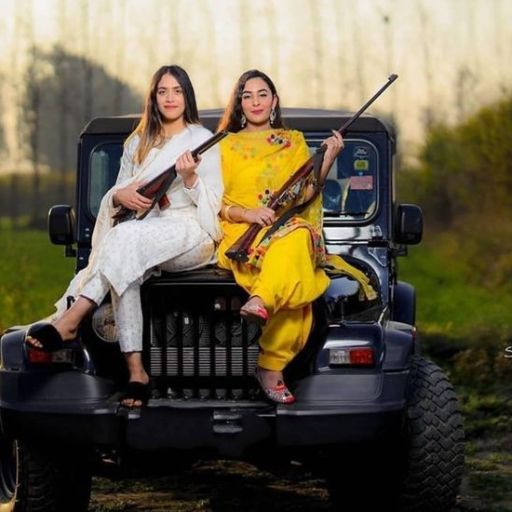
(420, 471)
(33, 479)
(434, 441)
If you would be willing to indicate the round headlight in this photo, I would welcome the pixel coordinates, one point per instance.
(103, 323)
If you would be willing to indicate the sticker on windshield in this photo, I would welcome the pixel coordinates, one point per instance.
(361, 183)
(361, 165)
(361, 152)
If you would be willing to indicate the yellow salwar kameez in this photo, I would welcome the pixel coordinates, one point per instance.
(285, 271)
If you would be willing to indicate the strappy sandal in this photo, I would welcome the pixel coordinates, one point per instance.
(136, 391)
(254, 312)
(279, 394)
(46, 334)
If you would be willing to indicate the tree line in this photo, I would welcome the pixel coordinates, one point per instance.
(463, 182)
(48, 123)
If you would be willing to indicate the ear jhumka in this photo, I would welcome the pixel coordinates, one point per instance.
(272, 117)
(243, 121)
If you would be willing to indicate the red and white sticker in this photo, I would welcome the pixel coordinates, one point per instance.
(361, 182)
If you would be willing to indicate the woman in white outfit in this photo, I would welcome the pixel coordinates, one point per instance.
(179, 237)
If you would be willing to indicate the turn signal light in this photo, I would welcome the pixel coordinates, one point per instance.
(351, 356)
(35, 356)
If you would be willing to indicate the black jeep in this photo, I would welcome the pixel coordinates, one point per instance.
(377, 420)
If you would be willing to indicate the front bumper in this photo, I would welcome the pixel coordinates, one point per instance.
(72, 408)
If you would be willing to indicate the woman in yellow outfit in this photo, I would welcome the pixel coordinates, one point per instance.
(283, 275)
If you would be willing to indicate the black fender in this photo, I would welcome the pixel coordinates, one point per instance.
(403, 306)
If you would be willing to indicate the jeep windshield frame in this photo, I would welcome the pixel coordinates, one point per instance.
(371, 179)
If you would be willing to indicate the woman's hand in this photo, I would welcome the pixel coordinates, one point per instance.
(262, 216)
(186, 167)
(333, 146)
(130, 198)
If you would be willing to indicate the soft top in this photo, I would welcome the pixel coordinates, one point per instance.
(303, 119)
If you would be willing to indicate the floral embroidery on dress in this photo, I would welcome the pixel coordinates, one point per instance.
(265, 198)
(279, 139)
(257, 253)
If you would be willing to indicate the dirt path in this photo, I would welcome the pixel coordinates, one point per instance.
(227, 486)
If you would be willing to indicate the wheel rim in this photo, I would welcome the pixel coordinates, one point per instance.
(8, 466)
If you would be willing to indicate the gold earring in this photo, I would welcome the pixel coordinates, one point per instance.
(272, 117)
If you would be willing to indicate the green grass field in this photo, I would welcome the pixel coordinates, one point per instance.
(448, 301)
(33, 275)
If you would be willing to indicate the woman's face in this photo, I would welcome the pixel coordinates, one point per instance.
(257, 103)
(170, 99)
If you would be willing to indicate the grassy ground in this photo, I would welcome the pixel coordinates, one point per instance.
(448, 300)
(33, 275)
(472, 321)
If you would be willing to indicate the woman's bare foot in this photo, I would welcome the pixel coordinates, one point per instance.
(254, 310)
(272, 384)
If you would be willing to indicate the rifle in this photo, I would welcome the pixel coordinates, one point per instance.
(239, 251)
(156, 189)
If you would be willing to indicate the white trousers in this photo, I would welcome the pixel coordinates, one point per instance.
(127, 306)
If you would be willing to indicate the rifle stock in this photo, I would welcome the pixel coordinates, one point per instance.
(239, 251)
(156, 189)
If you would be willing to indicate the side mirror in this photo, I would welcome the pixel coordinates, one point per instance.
(61, 225)
(408, 224)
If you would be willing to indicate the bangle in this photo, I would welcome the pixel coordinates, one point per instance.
(225, 212)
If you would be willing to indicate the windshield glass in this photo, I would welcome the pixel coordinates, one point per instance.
(350, 191)
(104, 166)
(351, 186)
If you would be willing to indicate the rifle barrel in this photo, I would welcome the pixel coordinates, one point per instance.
(391, 79)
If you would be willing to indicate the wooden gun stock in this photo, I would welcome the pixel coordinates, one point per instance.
(157, 188)
(239, 251)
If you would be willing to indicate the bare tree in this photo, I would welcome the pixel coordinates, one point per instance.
(356, 33)
(17, 87)
(119, 55)
(63, 99)
(244, 17)
(389, 49)
(273, 37)
(340, 33)
(498, 33)
(87, 71)
(429, 109)
(464, 90)
(33, 104)
(205, 7)
(318, 55)
(174, 27)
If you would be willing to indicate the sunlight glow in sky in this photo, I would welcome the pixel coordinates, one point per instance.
(452, 56)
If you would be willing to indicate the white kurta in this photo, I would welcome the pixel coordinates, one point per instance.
(180, 237)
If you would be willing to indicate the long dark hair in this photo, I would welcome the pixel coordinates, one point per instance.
(151, 126)
(231, 120)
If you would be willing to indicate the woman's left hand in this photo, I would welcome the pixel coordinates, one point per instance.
(186, 167)
(333, 144)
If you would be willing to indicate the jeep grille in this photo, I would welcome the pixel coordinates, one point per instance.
(199, 347)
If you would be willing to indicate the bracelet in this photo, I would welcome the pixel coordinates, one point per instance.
(225, 212)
